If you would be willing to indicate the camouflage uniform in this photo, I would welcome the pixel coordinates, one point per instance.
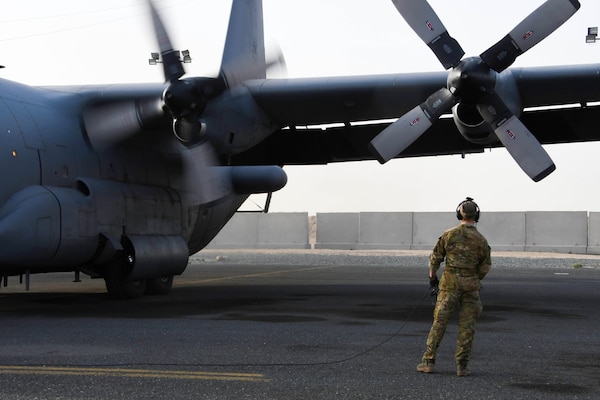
(468, 260)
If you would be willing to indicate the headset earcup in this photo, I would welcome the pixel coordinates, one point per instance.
(458, 213)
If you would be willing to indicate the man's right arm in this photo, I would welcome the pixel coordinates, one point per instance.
(436, 257)
(486, 264)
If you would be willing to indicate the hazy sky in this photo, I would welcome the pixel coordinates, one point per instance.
(79, 42)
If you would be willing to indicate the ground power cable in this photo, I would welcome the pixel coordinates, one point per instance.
(291, 364)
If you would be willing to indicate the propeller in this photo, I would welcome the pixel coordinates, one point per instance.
(472, 81)
(186, 99)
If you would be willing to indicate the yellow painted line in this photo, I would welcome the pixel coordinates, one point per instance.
(226, 278)
(132, 373)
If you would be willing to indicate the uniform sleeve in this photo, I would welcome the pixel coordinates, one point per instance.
(486, 263)
(437, 255)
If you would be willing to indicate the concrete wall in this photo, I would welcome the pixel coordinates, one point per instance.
(563, 232)
(594, 233)
(264, 231)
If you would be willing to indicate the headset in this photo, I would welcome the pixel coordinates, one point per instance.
(460, 205)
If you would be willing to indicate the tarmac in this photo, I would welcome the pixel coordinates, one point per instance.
(303, 324)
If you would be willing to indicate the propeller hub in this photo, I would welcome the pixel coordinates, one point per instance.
(471, 79)
(183, 98)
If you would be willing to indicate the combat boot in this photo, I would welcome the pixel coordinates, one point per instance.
(426, 366)
(462, 370)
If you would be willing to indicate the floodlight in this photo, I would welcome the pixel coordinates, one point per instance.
(186, 56)
(592, 35)
(154, 59)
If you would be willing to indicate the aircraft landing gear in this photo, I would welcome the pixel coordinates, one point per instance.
(159, 286)
(119, 286)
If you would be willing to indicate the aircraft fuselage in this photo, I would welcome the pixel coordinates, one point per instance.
(65, 205)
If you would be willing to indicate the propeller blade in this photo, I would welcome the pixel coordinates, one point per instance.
(532, 30)
(275, 62)
(520, 143)
(394, 139)
(426, 24)
(172, 67)
(112, 123)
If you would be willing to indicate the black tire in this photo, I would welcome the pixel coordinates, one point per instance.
(119, 287)
(159, 286)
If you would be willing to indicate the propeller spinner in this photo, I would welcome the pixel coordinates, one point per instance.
(472, 81)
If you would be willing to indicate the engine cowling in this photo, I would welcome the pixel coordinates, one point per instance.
(470, 123)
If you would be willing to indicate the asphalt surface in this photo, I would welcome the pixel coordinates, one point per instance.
(307, 325)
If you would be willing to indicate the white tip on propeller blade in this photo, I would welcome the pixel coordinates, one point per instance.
(427, 25)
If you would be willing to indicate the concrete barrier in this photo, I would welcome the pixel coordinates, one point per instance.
(385, 230)
(264, 231)
(283, 231)
(337, 231)
(563, 232)
(505, 230)
(593, 233)
(240, 232)
(427, 228)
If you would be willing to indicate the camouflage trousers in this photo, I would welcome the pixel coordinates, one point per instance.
(469, 305)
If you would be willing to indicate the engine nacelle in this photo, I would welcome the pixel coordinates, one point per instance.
(469, 122)
(471, 125)
(155, 256)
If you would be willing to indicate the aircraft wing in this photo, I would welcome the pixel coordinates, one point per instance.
(333, 119)
(351, 109)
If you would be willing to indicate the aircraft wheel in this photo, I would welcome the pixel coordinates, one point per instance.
(119, 287)
(160, 285)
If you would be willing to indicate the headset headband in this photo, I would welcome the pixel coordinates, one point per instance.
(459, 213)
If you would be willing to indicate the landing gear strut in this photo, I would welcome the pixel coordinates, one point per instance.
(118, 285)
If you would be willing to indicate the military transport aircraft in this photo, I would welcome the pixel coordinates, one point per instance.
(124, 182)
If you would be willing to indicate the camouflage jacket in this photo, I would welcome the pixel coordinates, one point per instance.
(466, 252)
